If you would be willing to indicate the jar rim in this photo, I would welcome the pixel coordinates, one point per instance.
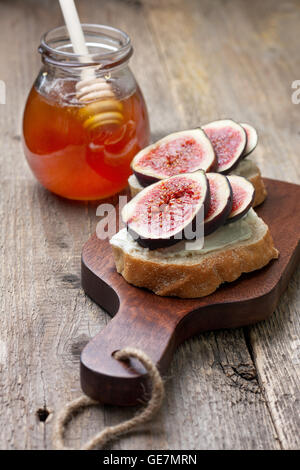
(116, 41)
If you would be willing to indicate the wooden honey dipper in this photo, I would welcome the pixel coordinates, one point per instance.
(96, 94)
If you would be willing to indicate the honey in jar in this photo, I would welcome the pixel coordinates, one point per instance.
(82, 149)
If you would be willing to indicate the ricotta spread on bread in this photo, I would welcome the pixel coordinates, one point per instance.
(223, 237)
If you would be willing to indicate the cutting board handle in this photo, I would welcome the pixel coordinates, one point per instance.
(124, 383)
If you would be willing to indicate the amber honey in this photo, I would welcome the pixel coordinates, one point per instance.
(79, 163)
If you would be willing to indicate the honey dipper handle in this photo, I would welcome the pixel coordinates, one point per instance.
(108, 380)
(74, 27)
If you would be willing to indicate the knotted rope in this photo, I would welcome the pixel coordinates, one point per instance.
(113, 432)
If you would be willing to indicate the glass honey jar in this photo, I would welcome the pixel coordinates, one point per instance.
(85, 116)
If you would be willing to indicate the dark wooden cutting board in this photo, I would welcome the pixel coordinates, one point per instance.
(158, 324)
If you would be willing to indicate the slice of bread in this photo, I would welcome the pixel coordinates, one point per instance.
(246, 168)
(192, 274)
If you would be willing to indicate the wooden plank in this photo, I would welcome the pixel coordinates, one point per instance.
(45, 315)
(195, 61)
(276, 349)
(239, 64)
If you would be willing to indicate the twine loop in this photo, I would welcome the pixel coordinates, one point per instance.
(112, 432)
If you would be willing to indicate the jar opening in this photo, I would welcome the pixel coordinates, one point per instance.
(108, 47)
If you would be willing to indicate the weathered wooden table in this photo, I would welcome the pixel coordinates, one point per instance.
(196, 61)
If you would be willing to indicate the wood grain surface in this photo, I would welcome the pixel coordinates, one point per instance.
(196, 61)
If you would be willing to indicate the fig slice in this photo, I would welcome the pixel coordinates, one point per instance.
(229, 140)
(220, 202)
(252, 138)
(162, 214)
(243, 197)
(177, 153)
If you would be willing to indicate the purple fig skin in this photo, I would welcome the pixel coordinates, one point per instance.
(243, 212)
(207, 199)
(220, 219)
(238, 158)
(145, 180)
(253, 131)
(155, 243)
(233, 167)
(150, 243)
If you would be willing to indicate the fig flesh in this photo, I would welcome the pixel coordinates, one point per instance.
(163, 213)
(243, 197)
(220, 202)
(177, 153)
(252, 138)
(229, 140)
